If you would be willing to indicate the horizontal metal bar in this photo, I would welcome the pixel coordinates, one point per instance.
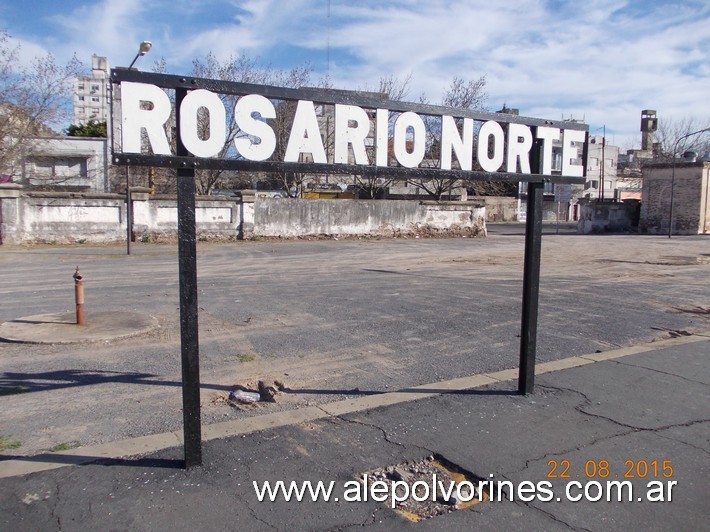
(327, 96)
(128, 159)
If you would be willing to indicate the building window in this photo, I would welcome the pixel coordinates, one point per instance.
(95, 99)
(59, 168)
(557, 161)
(94, 87)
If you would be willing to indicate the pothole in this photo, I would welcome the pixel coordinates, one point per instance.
(425, 488)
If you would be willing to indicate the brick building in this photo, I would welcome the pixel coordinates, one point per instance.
(691, 197)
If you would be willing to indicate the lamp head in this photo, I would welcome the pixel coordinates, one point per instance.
(145, 47)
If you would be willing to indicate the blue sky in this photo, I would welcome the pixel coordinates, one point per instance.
(600, 60)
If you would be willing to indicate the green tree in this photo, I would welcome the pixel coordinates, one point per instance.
(93, 129)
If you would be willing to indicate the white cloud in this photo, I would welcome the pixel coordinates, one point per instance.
(605, 60)
(592, 60)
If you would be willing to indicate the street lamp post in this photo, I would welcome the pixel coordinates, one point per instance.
(675, 149)
(143, 49)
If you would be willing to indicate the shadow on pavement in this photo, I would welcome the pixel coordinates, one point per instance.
(17, 383)
(67, 459)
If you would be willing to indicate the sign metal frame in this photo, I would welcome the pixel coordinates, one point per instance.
(185, 164)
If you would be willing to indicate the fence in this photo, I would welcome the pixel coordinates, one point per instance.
(66, 218)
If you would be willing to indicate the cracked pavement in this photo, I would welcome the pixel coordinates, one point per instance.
(651, 406)
(332, 319)
(443, 309)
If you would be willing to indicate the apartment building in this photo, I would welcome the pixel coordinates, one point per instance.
(91, 93)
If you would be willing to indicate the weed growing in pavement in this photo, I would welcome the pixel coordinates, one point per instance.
(8, 442)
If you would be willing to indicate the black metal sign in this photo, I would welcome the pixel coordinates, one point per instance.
(189, 123)
(331, 131)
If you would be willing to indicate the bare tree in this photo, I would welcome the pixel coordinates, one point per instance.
(466, 94)
(670, 131)
(396, 89)
(390, 88)
(243, 69)
(461, 94)
(33, 99)
(291, 181)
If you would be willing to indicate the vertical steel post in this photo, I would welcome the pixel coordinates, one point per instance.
(189, 343)
(79, 296)
(129, 212)
(531, 288)
(603, 164)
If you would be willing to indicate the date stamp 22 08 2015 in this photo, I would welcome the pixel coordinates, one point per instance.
(630, 469)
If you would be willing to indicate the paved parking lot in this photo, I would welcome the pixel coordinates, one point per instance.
(330, 318)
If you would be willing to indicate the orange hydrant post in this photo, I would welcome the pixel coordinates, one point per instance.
(79, 296)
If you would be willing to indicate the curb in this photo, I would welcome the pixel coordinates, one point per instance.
(156, 442)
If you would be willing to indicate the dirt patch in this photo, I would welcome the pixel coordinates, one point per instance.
(249, 395)
(428, 487)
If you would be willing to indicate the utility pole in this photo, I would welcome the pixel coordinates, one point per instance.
(601, 168)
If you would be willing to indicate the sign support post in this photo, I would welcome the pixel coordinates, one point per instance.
(531, 287)
(189, 342)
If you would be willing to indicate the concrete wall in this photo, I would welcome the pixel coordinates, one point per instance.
(499, 208)
(608, 217)
(65, 218)
(550, 210)
(216, 217)
(9, 204)
(297, 217)
(691, 208)
(60, 217)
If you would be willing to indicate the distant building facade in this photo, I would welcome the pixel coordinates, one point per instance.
(91, 93)
(77, 164)
(630, 178)
(602, 160)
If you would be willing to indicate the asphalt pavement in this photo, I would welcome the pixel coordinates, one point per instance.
(608, 441)
(396, 358)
